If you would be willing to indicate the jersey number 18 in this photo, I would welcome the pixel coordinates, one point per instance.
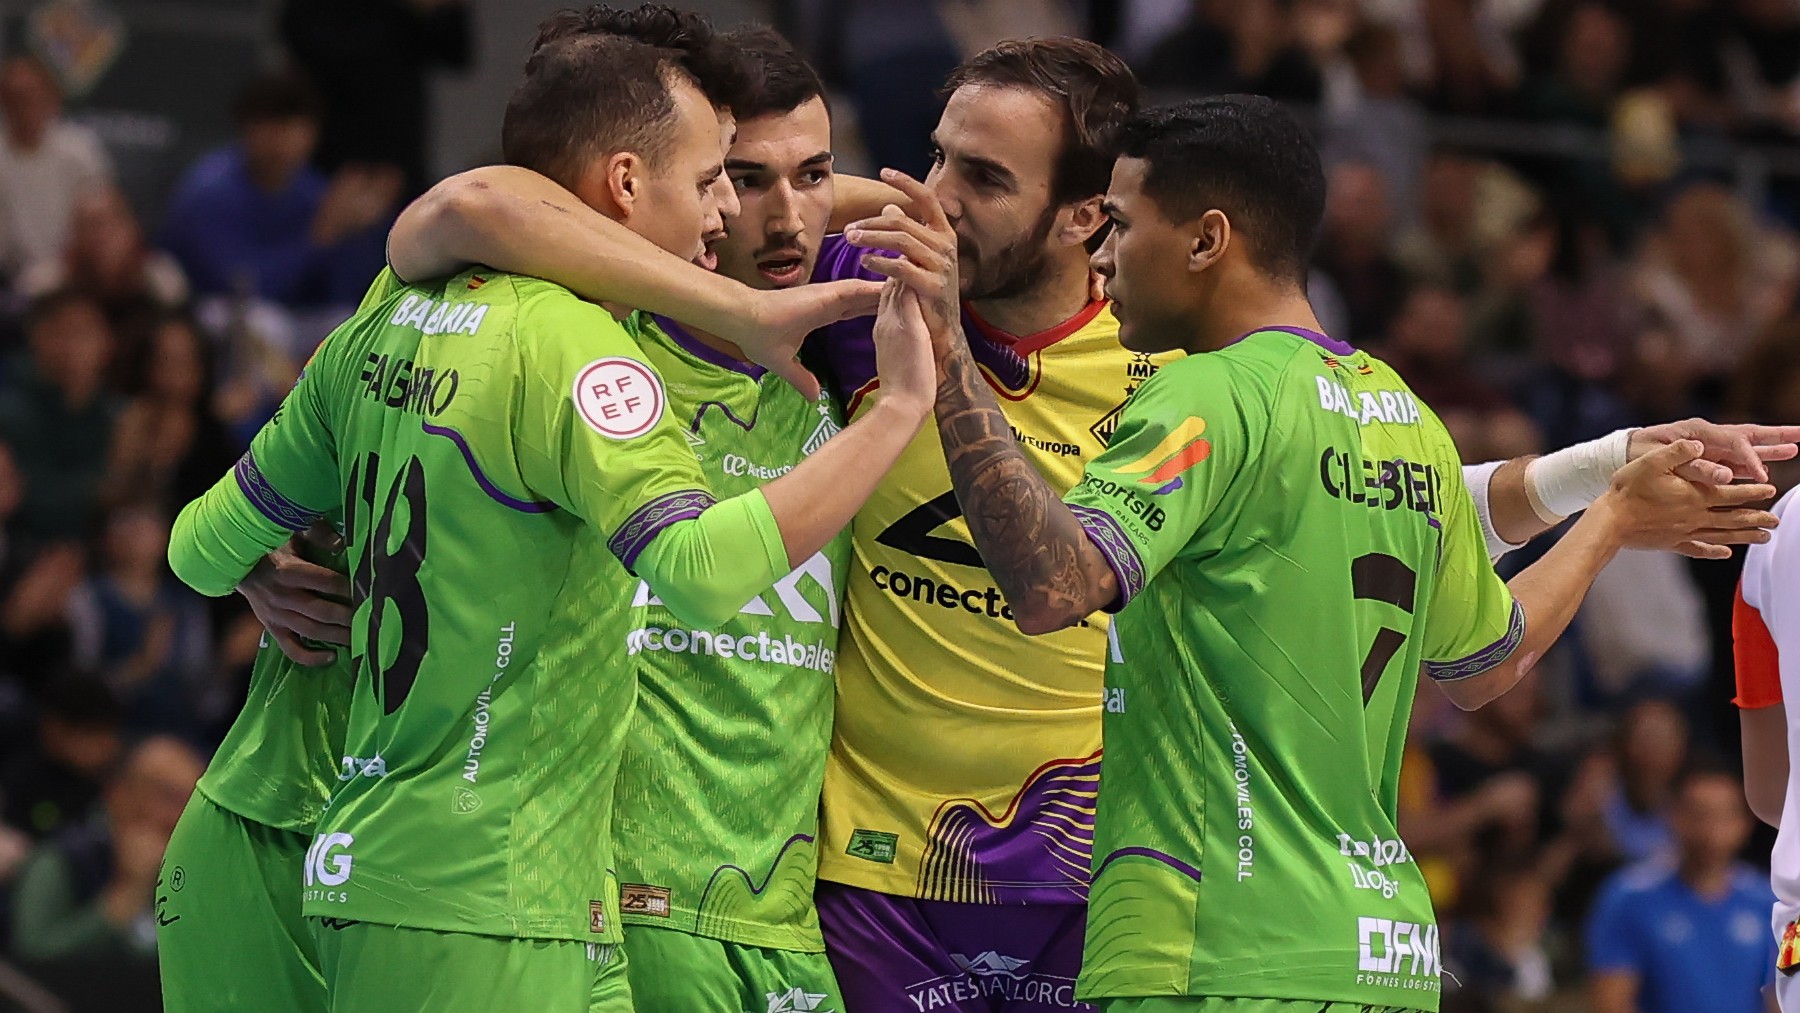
(387, 575)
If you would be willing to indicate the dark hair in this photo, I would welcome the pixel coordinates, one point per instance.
(78, 697)
(1704, 765)
(600, 80)
(1241, 154)
(281, 95)
(1094, 88)
(779, 80)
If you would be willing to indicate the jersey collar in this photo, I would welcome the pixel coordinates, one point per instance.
(703, 351)
(1330, 344)
(1025, 345)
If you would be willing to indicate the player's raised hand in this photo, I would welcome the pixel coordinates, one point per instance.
(1732, 452)
(1655, 508)
(918, 249)
(779, 320)
(294, 598)
(903, 353)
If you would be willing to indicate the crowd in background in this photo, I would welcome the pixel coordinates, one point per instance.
(1575, 833)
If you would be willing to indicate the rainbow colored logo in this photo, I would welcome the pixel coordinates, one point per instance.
(1180, 450)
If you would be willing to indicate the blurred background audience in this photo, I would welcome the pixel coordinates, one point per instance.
(1555, 219)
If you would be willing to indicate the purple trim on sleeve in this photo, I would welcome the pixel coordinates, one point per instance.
(642, 527)
(1484, 659)
(1106, 534)
(1169, 860)
(1332, 345)
(525, 506)
(267, 499)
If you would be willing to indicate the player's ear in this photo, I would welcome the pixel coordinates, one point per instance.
(1080, 221)
(624, 180)
(1209, 237)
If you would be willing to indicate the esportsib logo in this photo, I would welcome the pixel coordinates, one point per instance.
(1183, 448)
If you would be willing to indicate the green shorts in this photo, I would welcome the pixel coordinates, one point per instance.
(1209, 1004)
(373, 968)
(229, 934)
(675, 972)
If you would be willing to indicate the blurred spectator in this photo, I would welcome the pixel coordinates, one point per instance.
(134, 622)
(1582, 89)
(1235, 46)
(255, 220)
(109, 261)
(54, 781)
(1429, 347)
(1370, 118)
(1496, 943)
(90, 891)
(1768, 387)
(1353, 250)
(1459, 54)
(355, 49)
(1760, 56)
(59, 416)
(46, 163)
(1713, 278)
(1691, 935)
(171, 444)
(1442, 246)
(1643, 627)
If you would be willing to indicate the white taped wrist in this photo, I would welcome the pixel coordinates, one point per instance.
(1570, 480)
(1478, 477)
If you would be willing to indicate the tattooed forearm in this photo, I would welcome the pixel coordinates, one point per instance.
(1041, 559)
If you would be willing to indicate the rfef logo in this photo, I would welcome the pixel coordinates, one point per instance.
(1183, 448)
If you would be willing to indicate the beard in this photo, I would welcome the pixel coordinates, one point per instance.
(1014, 269)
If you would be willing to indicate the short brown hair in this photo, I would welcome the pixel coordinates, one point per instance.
(601, 80)
(1094, 88)
(779, 78)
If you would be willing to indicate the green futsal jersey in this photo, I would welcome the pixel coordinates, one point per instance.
(1293, 540)
(280, 760)
(503, 456)
(718, 800)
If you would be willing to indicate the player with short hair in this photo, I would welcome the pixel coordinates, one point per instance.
(1287, 533)
(717, 813)
(933, 674)
(504, 457)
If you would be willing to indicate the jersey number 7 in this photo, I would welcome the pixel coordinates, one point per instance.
(1377, 576)
(387, 575)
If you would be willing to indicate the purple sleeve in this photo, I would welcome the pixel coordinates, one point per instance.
(848, 347)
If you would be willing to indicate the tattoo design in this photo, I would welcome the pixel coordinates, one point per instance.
(1032, 544)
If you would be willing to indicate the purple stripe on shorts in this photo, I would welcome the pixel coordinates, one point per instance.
(487, 485)
(1169, 860)
(642, 527)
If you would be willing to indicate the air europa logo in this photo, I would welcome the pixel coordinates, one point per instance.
(1183, 448)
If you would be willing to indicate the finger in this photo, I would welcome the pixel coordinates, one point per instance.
(321, 537)
(1777, 451)
(905, 244)
(1096, 287)
(332, 614)
(1742, 519)
(924, 202)
(1736, 495)
(301, 624)
(1736, 448)
(905, 271)
(1670, 456)
(300, 575)
(797, 376)
(1769, 436)
(1702, 550)
(292, 647)
(1732, 536)
(845, 300)
(1705, 472)
(870, 234)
